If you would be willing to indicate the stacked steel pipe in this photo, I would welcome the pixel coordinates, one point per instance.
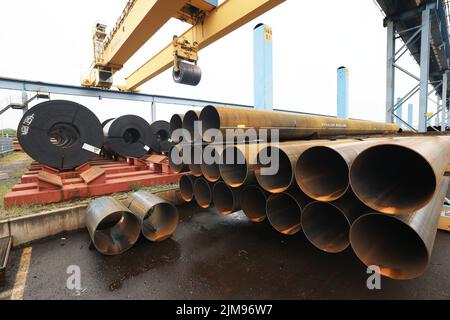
(380, 195)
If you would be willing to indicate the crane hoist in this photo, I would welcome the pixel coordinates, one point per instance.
(141, 19)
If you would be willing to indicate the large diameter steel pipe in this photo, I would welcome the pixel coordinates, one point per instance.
(291, 126)
(400, 245)
(203, 193)
(161, 136)
(187, 187)
(253, 203)
(284, 211)
(275, 168)
(60, 134)
(195, 163)
(176, 159)
(400, 176)
(211, 161)
(127, 136)
(113, 227)
(159, 218)
(322, 172)
(237, 164)
(327, 224)
(176, 123)
(190, 125)
(226, 199)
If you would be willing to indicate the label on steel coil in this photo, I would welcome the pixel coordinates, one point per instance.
(90, 148)
(147, 148)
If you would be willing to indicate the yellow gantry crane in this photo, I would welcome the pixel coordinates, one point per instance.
(141, 19)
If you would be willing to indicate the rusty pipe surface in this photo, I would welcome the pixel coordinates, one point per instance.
(253, 203)
(159, 218)
(226, 199)
(327, 224)
(210, 167)
(322, 172)
(237, 164)
(400, 245)
(283, 159)
(203, 193)
(173, 196)
(400, 176)
(291, 126)
(113, 228)
(176, 161)
(196, 160)
(186, 184)
(176, 123)
(189, 120)
(284, 210)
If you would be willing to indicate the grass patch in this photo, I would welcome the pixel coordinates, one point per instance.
(12, 157)
(22, 211)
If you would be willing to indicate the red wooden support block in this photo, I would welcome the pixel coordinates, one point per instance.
(49, 181)
(94, 175)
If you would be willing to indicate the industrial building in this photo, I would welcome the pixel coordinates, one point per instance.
(222, 150)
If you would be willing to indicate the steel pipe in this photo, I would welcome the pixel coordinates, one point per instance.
(159, 218)
(284, 211)
(176, 159)
(327, 224)
(176, 123)
(291, 126)
(161, 133)
(127, 136)
(60, 134)
(189, 125)
(253, 203)
(187, 187)
(203, 193)
(113, 227)
(400, 245)
(196, 160)
(226, 199)
(400, 176)
(322, 172)
(283, 159)
(237, 164)
(210, 169)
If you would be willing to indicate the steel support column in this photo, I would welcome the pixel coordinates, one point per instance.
(390, 72)
(444, 102)
(424, 68)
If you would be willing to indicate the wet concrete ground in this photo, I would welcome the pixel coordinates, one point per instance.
(215, 257)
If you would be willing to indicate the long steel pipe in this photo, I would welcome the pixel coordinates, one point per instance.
(283, 159)
(187, 187)
(159, 218)
(322, 172)
(113, 227)
(237, 164)
(400, 176)
(400, 245)
(195, 165)
(226, 199)
(291, 126)
(203, 193)
(189, 120)
(284, 210)
(176, 158)
(253, 203)
(176, 123)
(327, 224)
(210, 169)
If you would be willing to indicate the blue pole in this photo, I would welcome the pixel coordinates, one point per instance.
(342, 92)
(411, 114)
(263, 67)
(399, 113)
